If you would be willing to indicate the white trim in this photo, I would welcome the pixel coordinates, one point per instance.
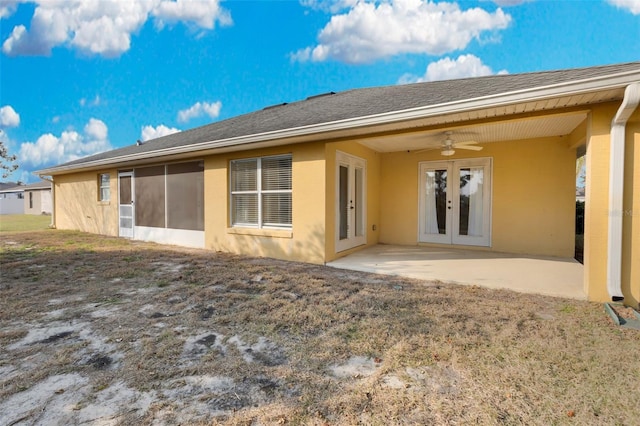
(352, 163)
(133, 207)
(616, 190)
(259, 192)
(278, 137)
(178, 237)
(423, 235)
(453, 195)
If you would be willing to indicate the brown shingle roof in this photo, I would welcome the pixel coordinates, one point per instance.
(361, 103)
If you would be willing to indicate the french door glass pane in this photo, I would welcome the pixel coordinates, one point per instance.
(344, 202)
(436, 202)
(359, 196)
(471, 201)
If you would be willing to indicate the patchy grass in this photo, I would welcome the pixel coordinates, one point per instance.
(128, 332)
(24, 222)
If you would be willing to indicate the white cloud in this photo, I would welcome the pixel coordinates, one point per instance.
(150, 132)
(49, 149)
(632, 6)
(95, 102)
(202, 13)
(507, 3)
(370, 31)
(9, 117)
(96, 129)
(331, 6)
(199, 109)
(449, 69)
(8, 7)
(104, 27)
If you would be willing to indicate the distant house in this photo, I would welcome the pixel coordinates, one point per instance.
(439, 163)
(11, 198)
(37, 198)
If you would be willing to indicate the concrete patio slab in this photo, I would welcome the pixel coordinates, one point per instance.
(527, 274)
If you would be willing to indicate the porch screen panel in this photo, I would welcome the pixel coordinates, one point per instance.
(471, 201)
(185, 196)
(150, 196)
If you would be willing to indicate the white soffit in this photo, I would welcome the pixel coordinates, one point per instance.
(511, 130)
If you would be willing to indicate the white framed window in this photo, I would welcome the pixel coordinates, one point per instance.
(104, 188)
(260, 190)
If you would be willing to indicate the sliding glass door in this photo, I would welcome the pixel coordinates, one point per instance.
(455, 202)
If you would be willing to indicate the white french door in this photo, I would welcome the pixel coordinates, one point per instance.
(351, 201)
(125, 204)
(455, 202)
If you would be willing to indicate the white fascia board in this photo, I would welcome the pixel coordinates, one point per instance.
(606, 82)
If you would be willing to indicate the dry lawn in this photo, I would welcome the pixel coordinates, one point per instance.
(97, 330)
(24, 222)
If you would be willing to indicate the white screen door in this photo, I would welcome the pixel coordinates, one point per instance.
(350, 201)
(125, 204)
(455, 202)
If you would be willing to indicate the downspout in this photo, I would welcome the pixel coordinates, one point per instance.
(616, 190)
(52, 225)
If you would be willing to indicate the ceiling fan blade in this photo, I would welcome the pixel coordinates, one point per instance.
(469, 147)
(426, 149)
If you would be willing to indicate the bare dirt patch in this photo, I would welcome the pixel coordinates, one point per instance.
(98, 330)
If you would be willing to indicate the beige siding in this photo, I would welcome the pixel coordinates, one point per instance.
(304, 242)
(597, 207)
(631, 221)
(373, 194)
(533, 197)
(77, 206)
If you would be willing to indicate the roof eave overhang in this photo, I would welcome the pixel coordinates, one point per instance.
(311, 132)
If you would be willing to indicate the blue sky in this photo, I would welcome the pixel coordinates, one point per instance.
(82, 76)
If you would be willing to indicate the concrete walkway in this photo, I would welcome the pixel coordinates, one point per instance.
(527, 274)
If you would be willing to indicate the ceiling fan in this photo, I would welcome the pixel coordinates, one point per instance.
(449, 146)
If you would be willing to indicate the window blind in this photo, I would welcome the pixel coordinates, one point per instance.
(261, 192)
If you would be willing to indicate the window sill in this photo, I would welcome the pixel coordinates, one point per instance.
(272, 233)
(104, 203)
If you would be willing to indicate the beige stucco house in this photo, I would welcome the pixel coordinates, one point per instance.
(437, 164)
